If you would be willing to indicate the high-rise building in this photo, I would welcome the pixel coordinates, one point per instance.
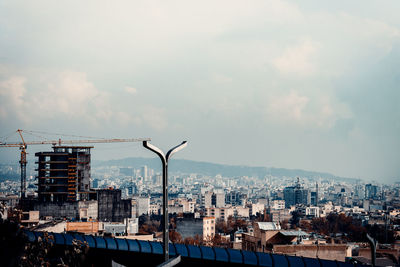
(359, 191)
(95, 183)
(296, 195)
(371, 191)
(144, 173)
(64, 174)
(234, 198)
(289, 196)
(211, 199)
(207, 199)
(157, 179)
(218, 200)
(132, 189)
(142, 205)
(314, 196)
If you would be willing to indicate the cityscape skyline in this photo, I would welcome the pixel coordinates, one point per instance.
(316, 216)
(196, 165)
(288, 112)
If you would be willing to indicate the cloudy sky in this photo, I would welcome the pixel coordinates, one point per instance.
(295, 84)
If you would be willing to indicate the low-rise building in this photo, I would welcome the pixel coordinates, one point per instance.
(208, 228)
(220, 213)
(312, 211)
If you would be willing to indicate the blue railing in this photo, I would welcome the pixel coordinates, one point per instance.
(191, 251)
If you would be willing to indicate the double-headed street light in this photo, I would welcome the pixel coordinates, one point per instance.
(164, 160)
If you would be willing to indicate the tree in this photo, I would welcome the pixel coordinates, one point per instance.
(320, 225)
(340, 223)
(218, 241)
(284, 224)
(175, 237)
(305, 225)
(197, 240)
(220, 226)
(294, 221)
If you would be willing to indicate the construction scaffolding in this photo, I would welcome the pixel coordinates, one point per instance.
(64, 174)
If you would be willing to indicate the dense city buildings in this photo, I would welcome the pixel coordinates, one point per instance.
(290, 215)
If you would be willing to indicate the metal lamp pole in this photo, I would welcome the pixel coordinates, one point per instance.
(164, 160)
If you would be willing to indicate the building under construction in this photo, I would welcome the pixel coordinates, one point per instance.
(64, 188)
(64, 181)
(64, 174)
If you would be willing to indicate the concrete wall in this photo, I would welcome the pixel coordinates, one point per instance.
(70, 210)
(175, 209)
(366, 252)
(83, 227)
(111, 208)
(189, 227)
(67, 210)
(327, 252)
(133, 225)
(143, 205)
(257, 207)
(88, 210)
(242, 212)
(83, 168)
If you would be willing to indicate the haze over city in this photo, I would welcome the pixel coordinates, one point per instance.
(310, 86)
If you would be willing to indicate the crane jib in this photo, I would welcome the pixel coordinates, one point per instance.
(23, 145)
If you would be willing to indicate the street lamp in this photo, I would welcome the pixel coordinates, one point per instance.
(164, 160)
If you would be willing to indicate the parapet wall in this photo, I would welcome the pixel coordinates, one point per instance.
(327, 252)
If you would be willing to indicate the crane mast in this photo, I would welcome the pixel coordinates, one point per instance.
(23, 146)
(22, 163)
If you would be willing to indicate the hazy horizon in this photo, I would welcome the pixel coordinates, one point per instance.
(310, 85)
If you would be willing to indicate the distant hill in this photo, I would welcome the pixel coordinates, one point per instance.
(212, 169)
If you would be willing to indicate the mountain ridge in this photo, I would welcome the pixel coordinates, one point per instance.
(212, 169)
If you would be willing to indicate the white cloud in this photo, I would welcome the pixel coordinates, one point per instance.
(220, 78)
(155, 118)
(371, 32)
(287, 107)
(130, 90)
(318, 110)
(207, 60)
(69, 95)
(12, 92)
(298, 59)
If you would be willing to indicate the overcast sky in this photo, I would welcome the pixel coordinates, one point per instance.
(294, 84)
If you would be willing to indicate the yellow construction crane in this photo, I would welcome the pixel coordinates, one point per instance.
(23, 146)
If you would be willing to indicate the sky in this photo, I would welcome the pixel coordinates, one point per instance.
(313, 85)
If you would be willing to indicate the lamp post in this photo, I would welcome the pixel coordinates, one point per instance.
(164, 161)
